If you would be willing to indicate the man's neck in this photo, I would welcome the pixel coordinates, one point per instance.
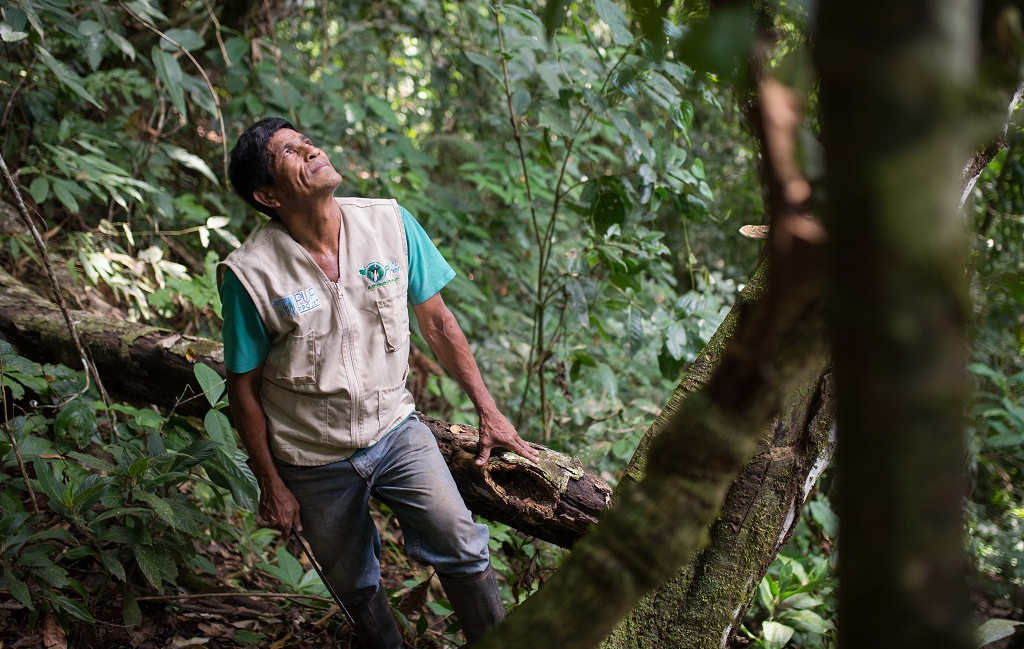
(314, 225)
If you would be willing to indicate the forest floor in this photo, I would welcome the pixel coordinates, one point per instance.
(208, 611)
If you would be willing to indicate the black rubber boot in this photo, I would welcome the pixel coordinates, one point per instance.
(476, 602)
(375, 624)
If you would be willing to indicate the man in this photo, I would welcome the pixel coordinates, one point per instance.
(316, 342)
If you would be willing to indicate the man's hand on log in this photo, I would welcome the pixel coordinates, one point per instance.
(496, 431)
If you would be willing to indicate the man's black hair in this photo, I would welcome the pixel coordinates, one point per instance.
(249, 168)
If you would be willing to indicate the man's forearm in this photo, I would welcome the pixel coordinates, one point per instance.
(445, 337)
(448, 342)
(277, 505)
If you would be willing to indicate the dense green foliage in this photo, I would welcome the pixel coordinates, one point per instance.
(548, 172)
(586, 188)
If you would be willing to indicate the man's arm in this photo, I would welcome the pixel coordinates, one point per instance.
(444, 335)
(277, 504)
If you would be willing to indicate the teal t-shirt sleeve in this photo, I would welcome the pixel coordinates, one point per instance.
(428, 270)
(246, 340)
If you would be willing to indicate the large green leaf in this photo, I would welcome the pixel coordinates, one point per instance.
(219, 429)
(487, 64)
(17, 587)
(148, 559)
(130, 612)
(157, 504)
(616, 20)
(776, 635)
(993, 630)
(554, 15)
(113, 564)
(186, 38)
(229, 470)
(190, 160)
(65, 75)
(170, 73)
(212, 383)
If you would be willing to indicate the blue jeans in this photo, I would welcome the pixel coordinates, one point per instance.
(405, 471)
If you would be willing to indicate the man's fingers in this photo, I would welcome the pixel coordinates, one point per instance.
(527, 451)
(483, 455)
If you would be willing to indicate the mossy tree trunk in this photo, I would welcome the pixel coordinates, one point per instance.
(893, 98)
(777, 344)
(703, 603)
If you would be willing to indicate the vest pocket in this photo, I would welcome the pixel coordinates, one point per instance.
(395, 317)
(298, 362)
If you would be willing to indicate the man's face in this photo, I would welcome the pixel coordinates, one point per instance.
(301, 170)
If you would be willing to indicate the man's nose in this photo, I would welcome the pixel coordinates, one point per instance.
(312, 151)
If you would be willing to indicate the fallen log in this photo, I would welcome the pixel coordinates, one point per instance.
(555, 500)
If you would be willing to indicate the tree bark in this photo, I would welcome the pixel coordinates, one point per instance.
(703, 604)
(554, 500)
(893, 94)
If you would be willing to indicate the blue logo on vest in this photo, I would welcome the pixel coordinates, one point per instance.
(291, 306)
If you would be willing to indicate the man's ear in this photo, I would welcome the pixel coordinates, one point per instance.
(265, 196)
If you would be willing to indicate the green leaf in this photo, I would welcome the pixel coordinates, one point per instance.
(776, 635)
(993, 630)
(823, 515)
(382, 109)
(51, 485)
(39, 189)
(193, 454)
(63, 190)
(88, 492)
(554, 15)
(219, 429)
(162, 509)
(74, 608)
(764, 594)
(76, 419)
(146, 10)
(130, 612)
(113, 564)
(138, 467)
(148, 559)
(616, 20)
(169, 71)
(18, 588)
(10, 35)
(229, 470)
(186, 38)
(578, 302)
(675, 340)
(65, 75)
(487, 64)
(122, 44)
(806, 621)
(92, 462)
(721, 44)
(634, 332)
(212, 384)
(290, 565)
(29, 7)
(190, 160)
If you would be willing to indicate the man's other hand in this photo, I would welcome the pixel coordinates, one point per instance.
(280, 509)
(496, 431)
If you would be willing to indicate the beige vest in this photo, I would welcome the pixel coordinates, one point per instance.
(334, 380)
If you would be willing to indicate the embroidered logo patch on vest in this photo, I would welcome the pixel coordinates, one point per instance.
(291, 306)
(380, 274)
